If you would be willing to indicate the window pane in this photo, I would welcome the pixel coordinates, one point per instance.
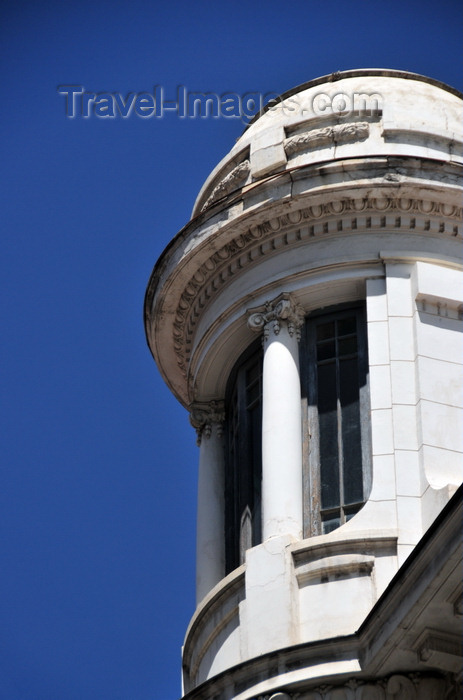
(351, 511)
(347, 325)
(325, 331)
(348, 346)
(255, 485)
(335, 366)
(253, 394)
(253, 384)
(351, 436)
(253, 373)
(326, 350)
(244, 462)
(328, 429)
(330, 523)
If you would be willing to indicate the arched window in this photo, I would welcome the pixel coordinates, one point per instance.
(243, 478)
(336, 468)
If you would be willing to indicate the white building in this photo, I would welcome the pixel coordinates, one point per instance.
(308, 316)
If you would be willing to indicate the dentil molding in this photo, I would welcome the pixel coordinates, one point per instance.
(365, 214)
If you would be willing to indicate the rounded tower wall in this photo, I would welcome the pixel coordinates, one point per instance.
(334, 235)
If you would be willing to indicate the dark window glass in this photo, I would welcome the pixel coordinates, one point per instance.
(325, 331)
(243, 482)
(335, 378)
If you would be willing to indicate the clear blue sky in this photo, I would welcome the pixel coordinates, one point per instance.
(98, 468)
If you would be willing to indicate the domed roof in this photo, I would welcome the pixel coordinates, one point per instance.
(308, 183)
(319, 114)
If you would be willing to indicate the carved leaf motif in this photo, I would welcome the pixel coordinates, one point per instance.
(203, 415)
(400, 688)
(279, 310)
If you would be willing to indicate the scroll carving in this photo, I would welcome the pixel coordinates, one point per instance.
(203, 415)
(283, 308)
(401, 688)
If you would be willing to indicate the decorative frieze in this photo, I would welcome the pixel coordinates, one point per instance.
(267, 238)
(412, 686)
(203, 415)
(283, 308)
(328, 136)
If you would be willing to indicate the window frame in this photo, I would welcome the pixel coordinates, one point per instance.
(312, 510)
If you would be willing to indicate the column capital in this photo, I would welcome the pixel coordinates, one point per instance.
(283, 308)
(203, 414)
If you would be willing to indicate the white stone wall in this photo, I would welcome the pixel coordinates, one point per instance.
(306, 590)
(319, 210)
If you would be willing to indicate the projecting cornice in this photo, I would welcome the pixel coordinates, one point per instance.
(299, 226)
(293, 210)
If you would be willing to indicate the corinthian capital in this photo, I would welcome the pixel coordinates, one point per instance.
(282, 309)
(203, 415)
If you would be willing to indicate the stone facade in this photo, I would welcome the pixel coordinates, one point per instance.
(310, 212)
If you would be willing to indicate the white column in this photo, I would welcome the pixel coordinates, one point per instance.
(210, 529)
(281, 321)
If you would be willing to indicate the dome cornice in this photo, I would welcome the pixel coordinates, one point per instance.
(316, 202)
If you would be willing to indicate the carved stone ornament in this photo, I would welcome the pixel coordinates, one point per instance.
(282, 309)
(203, 415)
(328, 136)
(229, 183)
(411, 686)
(279, 233)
